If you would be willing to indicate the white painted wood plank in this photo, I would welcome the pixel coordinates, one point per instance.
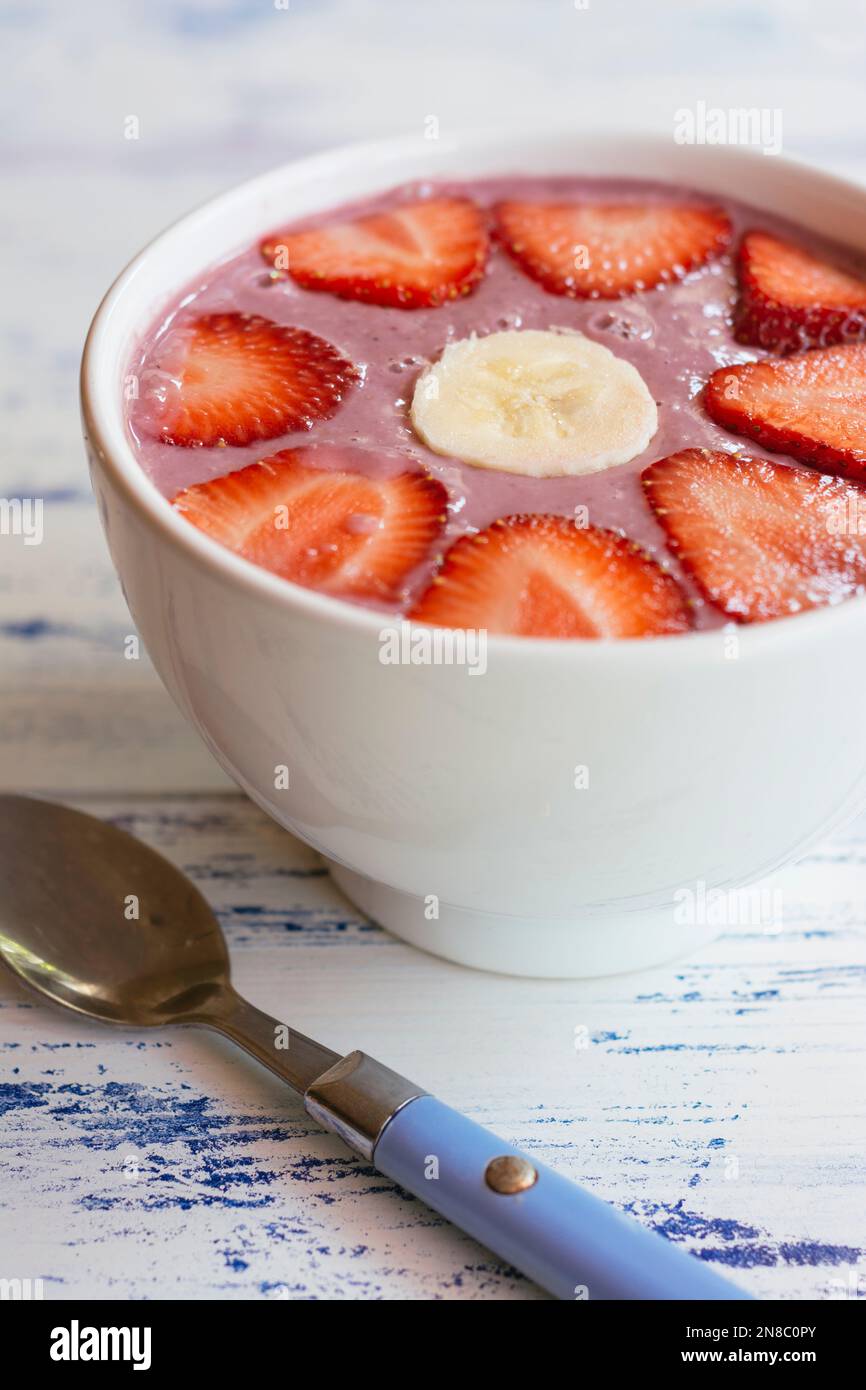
(719, 1099)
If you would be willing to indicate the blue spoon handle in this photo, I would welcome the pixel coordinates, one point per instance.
(571, 1243)
(568, 1241)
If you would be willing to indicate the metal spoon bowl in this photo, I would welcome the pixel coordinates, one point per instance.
(99, 922)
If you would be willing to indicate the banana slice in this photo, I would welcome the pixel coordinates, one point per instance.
(546, 404)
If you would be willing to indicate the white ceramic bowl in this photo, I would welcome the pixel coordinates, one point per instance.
(425, 786)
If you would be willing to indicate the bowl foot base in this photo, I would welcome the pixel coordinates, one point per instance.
(547, 948)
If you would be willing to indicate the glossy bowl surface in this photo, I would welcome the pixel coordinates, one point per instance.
(450, 805)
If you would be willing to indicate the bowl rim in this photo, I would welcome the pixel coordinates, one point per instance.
(109, 440)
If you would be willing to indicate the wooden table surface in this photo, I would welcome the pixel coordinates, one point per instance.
(720, 1099)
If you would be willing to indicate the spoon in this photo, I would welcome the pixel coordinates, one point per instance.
(99, 923)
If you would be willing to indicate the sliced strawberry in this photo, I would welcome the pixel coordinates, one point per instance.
(336, 530)
(236, 378)
(790, 300)
(761, 540)
(607, 250)
(542, 576)
(812, 406)
(416, 256)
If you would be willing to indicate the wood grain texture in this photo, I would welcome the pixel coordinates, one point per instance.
(720, 1099)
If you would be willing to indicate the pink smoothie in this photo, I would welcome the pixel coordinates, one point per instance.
(675, 336)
